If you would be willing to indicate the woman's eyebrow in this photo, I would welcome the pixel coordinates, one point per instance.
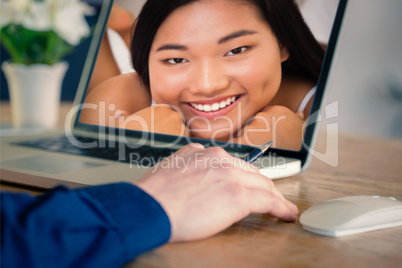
(235, 35)
(220, 41)
(172, 47)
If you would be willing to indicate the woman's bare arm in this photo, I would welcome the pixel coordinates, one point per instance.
(120, 93)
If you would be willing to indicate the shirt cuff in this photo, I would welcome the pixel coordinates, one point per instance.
(140, 219)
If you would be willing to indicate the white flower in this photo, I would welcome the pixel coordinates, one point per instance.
(38, 17)
(69, 20)
(13, 11)
(65, 17)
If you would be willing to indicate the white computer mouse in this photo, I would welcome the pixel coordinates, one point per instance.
(351, 215)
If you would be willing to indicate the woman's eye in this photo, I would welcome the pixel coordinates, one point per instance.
(175, 61)
(236, 51)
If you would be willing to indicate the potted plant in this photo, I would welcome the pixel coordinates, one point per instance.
(38, 34)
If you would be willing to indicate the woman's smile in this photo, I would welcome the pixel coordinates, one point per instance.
(215, 107)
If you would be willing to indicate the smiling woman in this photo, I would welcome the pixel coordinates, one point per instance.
(234, 71)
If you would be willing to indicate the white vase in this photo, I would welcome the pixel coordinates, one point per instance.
(34, 93)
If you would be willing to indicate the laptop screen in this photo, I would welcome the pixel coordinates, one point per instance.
(243, 84)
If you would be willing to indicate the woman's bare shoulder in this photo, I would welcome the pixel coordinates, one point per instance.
(125, 91)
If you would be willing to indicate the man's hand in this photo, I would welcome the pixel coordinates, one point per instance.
(204, 191)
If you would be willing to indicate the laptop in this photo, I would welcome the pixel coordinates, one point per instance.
(84, 154)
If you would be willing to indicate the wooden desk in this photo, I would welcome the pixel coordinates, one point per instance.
(367, 166)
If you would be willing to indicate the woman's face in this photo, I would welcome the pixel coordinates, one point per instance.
(218, 62)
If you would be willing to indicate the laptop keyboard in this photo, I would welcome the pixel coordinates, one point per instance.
(122, 152)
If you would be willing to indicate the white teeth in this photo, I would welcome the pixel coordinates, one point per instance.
(215, 106)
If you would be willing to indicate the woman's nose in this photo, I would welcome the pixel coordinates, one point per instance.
(208, 77)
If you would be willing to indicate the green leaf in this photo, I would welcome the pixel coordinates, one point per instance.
(28, 47)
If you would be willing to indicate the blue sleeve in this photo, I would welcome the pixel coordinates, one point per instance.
(99, 226)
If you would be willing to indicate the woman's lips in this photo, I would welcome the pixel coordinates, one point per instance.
(214, 109)
(214, 106)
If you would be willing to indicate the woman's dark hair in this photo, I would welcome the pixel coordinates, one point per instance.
(283, 16)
